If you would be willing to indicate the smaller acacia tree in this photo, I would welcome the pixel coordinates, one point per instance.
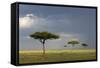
(43, 36)
(84, 44)
(73, 42)
(65, 45)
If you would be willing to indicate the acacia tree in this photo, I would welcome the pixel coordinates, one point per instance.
(43, 36)
(84, 44)
(73, 42)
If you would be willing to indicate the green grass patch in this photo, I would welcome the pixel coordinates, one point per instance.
(36, 56)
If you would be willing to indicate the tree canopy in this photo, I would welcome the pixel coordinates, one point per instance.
(84, 44)
(73, 42)
(44, 35)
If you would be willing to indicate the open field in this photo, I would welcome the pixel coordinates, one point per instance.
(56, 56)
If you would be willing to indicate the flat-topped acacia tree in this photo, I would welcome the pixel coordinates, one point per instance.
(43, 36)
(84, 44)
(73, 42)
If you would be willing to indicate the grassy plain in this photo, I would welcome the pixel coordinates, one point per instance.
(36, 56)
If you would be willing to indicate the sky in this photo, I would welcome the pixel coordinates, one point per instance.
(69, 23)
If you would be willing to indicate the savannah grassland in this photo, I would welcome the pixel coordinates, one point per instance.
(36, 56)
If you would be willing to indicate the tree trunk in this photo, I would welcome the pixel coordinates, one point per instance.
(43, 49)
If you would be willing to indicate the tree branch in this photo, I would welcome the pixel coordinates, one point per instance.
(44, 41)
